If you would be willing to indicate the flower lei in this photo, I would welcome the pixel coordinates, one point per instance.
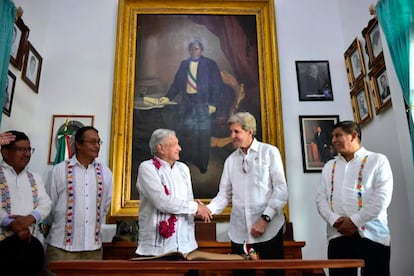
(166, 228)
(71, 203)
(358, 186)
(5, 195)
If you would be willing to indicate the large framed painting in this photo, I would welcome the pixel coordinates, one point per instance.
(237, 44)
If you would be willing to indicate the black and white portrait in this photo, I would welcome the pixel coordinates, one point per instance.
(356, 64)
(15, 41)
(32, 67)
(314, 81)
(383, 87)
(362, 105)
(376, 41)
(8, 93)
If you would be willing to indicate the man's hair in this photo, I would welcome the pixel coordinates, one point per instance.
(19, 137)
(245, 120)
(81, 132)
(193, 42)
(349, 127)
(158, 137)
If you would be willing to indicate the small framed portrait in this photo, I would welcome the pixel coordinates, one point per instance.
(316, 137)
(314, 80)
(354, 62)
(32, 68)
(19, 43)
(380, 87)
(9, 93)
(66, 124)
(361, 103)
(373, 44)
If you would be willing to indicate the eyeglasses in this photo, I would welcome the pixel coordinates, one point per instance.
(93, 142)
(245, 165)
(23, 150)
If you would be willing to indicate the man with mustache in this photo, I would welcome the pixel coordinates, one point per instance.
(353, 197)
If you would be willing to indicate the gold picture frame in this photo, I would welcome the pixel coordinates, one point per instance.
(378, 80)
(361, 103)
(373, 43)
(127, 77)
(354, 62)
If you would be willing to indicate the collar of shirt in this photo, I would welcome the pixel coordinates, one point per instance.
(254, 147)
(360, 152)
(74, 161)
(164, 163)
(8, 167)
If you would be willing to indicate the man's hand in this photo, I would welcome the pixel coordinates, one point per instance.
(211, 109)
(24, 221)
(164, 100)
(203, 212)
(258, 228)
(345, 226)
(20, 226)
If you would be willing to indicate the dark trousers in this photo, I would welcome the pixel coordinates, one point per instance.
(271, 249)
(21, 257)
(375, 255)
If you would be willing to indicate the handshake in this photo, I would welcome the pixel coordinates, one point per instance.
(203, 212)
(156, 101)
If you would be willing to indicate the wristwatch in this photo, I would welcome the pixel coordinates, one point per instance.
(266, 218)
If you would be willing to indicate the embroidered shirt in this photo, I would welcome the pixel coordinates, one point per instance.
(374, 191)
(84, 209)
(20, 195)
(154, 200)
(255, 184)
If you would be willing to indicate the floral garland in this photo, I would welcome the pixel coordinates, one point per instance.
(5, 195)
(166, 228)
(71, 202)
(358, 186)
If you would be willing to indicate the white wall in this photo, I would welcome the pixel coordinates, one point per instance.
(388, 133)
(77, 46)
(305, 35)
(77, 42)
(323, 29)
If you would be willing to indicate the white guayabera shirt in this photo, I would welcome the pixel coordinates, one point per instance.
(255, 184)
(365, 201)
(156, 206)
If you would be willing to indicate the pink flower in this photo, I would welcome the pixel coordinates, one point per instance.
(167, 228)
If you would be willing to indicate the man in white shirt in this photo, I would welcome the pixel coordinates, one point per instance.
(253, 179)
(24, 203)
(81, 192)
(353, 197)
(167, 206)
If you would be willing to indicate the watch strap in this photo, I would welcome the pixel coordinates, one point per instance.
(266, 218)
